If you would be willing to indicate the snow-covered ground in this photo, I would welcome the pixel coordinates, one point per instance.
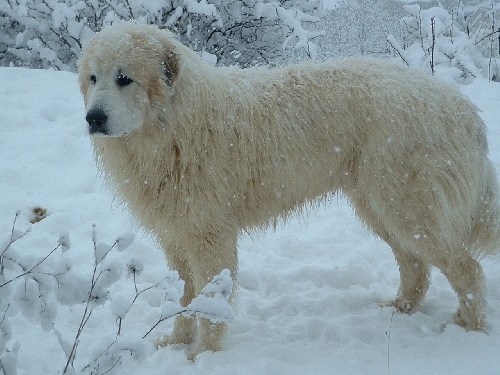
(309, 290)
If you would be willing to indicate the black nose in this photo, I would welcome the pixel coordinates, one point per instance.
(97, 121)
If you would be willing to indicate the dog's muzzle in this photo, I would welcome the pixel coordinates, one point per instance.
(97, 120)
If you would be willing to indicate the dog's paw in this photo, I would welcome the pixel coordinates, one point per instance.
(399, 304)
(168, 340)
(384, 303)
(469, 322)
(201, 349)
(192, 355)
(163, 342)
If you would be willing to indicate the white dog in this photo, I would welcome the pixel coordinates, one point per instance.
(200, 153)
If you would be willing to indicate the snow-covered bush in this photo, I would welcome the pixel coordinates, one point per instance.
(37, 287)
(481, 25)
(438, 39)
(50, 33)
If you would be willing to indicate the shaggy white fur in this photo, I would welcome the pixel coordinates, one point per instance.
(200, 153)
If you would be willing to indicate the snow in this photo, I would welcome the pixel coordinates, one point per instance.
(309, 292)
(201, 7)
(330, 4)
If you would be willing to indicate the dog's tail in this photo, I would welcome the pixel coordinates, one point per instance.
(484, 239)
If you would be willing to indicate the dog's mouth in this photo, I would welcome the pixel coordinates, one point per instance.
(99, 134)
(104, 133)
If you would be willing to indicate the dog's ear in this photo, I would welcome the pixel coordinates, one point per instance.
(170, 67)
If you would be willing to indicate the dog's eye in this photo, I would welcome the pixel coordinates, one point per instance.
(93, 79)
(123, 80)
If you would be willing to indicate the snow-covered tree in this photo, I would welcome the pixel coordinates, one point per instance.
(463, 39)
(360, 28)
(51, 33)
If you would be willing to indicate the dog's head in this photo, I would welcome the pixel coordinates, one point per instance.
(124, 71)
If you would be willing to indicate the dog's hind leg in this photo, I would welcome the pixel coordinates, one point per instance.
(414, 278)
(446, 251)
(413, 270)
(462, 271)
(466, 277)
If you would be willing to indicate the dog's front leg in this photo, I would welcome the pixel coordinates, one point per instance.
(185, 328)
(213, 252)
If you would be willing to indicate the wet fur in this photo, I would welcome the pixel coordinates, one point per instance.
(220, 150)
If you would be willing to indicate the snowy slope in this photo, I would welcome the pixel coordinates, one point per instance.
(309, 290)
